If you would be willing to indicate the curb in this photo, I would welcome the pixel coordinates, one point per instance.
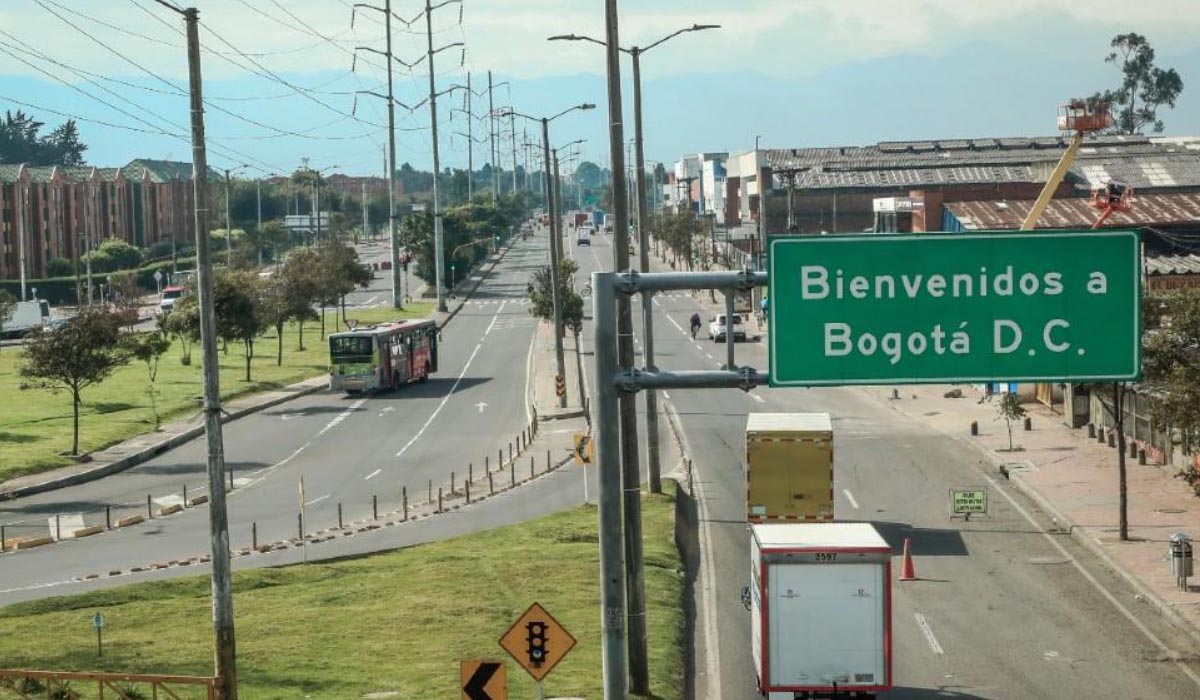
(151, 452)
(1078, 534)
(482, 276)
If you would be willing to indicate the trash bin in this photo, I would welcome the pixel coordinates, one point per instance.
(1181, 557)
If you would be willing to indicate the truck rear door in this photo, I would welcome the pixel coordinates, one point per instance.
(826, 624)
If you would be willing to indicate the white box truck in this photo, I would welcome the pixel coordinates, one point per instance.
(820, 600)
(26, 316)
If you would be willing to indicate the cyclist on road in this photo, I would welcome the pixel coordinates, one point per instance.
(695, 324)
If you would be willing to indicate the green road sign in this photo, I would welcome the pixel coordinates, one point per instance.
(969, 501)
(1003, 306)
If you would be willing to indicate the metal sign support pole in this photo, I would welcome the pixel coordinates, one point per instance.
(608, 462)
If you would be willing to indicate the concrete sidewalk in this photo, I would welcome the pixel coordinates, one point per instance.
(1074, 479)
(544, 369)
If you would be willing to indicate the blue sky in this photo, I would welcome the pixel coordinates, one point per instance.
(796, 72)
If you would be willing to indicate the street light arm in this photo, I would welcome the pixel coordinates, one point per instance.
(581, 107)
(578, 37)
(693, 28)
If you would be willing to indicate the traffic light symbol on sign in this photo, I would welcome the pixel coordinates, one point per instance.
(560, 385)
(537, 643)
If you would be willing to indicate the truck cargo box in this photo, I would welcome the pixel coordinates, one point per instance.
(821, 605)
(789, 467)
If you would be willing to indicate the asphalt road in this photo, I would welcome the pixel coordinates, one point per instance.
(1003, 610)
(347, 449)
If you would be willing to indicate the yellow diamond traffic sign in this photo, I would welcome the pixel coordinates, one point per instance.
(537, 641)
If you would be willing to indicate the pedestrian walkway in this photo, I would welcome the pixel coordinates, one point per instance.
(1074, 479)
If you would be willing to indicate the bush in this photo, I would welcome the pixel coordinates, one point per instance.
(115, 254)
(60, 267)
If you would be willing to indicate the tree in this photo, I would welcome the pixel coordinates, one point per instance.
(126, 296)
(300, 274)
(541, 300)
(81, 353)
(235, 306)
(282, 299)
(115, 254)
(1144, 86)
(183, 324)
(149, 348)
(59, 267)
(20, 142)
(1010, 409)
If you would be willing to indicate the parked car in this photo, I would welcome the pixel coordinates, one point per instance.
(716, 328)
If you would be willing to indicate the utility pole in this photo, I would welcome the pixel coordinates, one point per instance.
(492, 136)
(366, 215)
(438, 244)
(634, 577)
(512, 130)
(470, 141)
(22, 205)
(652, 452)
(259, 230)
(222, 581)
(555, 240)
(228, 226)
(317, 206)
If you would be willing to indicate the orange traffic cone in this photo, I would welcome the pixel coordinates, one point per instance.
(907, 571)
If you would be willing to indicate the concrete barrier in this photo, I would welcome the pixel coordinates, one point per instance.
(30, 542)
(87, 531)
(130, 520)
(197, 500)
(171, 509)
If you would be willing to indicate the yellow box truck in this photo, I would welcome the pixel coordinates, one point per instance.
(789, 467)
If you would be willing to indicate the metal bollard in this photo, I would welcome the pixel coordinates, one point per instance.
(895, 393)
(340, 525)
(512, 474)
(185, 496)
(404, 499)
(1100, 435)
(487, 463)
(500, 457)
(547, 460)
(974, 427)
(254, 535)
(439, 499)
(510, 451)
(1133, 449)
(300, 524)
(1112, 439)
(531, 467)
(491, 486)
(451, 482)
(1092, 430)
(470, 472)
(467, 488)
(149, 508)
(2, 538)
(1141, 457)
(1028, 423)
(374, 507)
(107, 517)
(231, 479)
(57, 526)
(430, 499)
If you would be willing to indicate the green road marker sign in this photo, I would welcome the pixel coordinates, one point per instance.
(1044, 306)
(968, 501)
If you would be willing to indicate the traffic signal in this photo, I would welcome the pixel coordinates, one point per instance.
(537, 642)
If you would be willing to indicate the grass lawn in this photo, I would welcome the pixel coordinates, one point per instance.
(35, 425)
(392, 622)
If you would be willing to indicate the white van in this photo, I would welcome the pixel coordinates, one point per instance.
(26, 316)
(583, 235)
(716, 328)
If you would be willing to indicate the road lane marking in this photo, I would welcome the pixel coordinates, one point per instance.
(928, 632)
(758, 398)
(316, 500)
(342, 416)
(708, 577)
(675, 323)
(528, 373)
(375, 473)
(850, 497)
(453, 388)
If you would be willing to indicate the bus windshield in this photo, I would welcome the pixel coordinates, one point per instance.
(349, 347)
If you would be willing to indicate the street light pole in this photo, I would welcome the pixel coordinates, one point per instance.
(259, 230)
(555, 239)
(438, 243)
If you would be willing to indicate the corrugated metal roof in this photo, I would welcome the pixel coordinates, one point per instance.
(1172, 265)
(913, 177)
(1077, 212)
